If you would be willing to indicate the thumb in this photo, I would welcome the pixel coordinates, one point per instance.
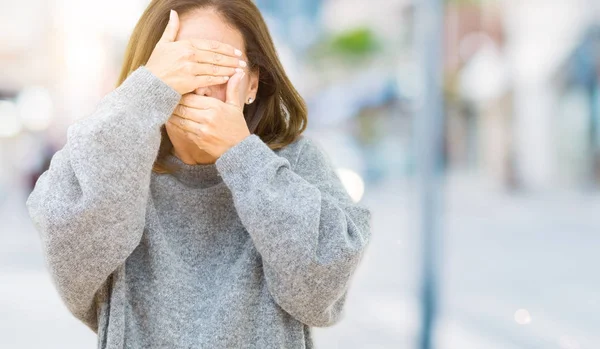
(233, 90)
(172, 28)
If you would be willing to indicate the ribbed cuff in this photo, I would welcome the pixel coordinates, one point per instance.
(145, 91)
(241, 163)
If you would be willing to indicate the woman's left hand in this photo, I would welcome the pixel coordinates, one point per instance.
(214, 126)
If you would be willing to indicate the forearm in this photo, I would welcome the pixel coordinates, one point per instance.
(310, 235)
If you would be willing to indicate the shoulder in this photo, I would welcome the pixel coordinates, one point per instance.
(308, 158)
(302, 149)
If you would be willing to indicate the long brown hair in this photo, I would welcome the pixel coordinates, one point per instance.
(278, 116)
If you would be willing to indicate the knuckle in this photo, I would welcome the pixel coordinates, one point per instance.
(182, 110)
(190, 68)
(183, 67)
(200, 130)
(187, 53)
(188, 43)
(214, 44)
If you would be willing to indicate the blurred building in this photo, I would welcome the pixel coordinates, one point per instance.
(578, 118)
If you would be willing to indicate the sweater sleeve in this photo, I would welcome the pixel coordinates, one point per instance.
(310, 234)
(89, 206)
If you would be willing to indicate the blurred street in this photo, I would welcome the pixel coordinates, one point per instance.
(501, 252)
(519, 131)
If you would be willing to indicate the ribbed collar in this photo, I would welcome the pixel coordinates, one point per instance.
(197, 176)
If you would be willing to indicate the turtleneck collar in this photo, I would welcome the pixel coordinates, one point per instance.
(197, 176)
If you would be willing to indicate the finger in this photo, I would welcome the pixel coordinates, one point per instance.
(194, 114)
(213, 69)
(215, 47)
(195, 101)
(233, 90)
(181, 111)
(174, 121)
(181, 123)
(189, 127)
(172, 28)
(202, 56)
(209, 80)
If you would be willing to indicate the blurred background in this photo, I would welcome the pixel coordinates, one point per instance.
(516, 221)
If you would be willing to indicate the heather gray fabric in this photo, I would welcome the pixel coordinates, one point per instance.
(249, 252)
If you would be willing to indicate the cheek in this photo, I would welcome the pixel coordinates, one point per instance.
(220, 92)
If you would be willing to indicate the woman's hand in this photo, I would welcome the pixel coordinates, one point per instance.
(214, 126)
(189, 64)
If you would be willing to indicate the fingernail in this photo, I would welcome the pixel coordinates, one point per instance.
(171, 14)
(239, 70)
(243, 64)
(238, 52)
(226, 78)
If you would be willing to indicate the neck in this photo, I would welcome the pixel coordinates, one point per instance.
(192, 155)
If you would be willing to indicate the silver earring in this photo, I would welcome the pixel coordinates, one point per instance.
(250, 100)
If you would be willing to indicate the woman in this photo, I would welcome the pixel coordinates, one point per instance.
(188, 211)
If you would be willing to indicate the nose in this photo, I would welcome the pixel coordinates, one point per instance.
(215, 91)
(204, 91)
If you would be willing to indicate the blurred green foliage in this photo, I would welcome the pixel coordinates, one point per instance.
(355, 44)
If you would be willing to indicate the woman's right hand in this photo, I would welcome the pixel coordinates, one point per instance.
(186, 65)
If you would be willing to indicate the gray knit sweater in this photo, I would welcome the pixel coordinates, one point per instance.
(249, 252)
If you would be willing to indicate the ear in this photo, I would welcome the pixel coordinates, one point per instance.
(253, 83)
